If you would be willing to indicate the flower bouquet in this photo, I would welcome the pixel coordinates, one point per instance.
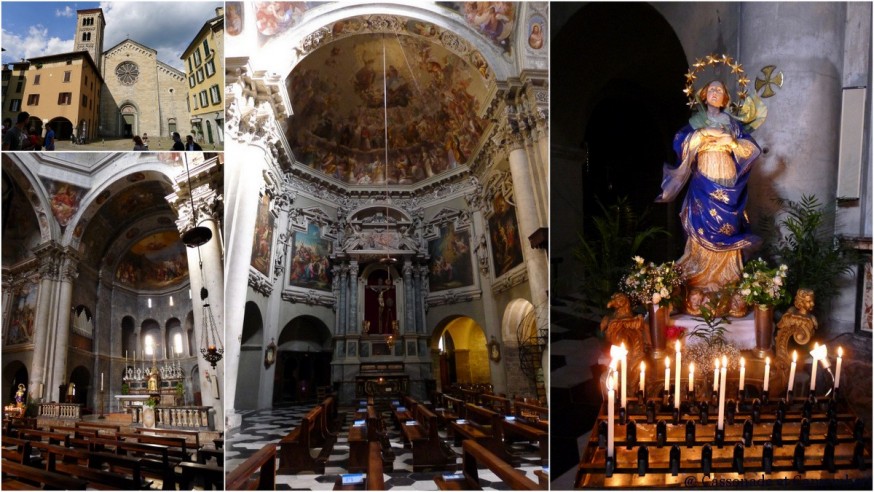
(763, 285)
(648, 283)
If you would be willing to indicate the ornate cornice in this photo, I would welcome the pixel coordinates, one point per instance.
(516, 276)
(452, 297)
(309, 297)
(260, 283)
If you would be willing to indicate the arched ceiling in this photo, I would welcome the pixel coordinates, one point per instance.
(433, 97)
(20, 230)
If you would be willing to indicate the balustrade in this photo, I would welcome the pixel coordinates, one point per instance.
(60, 410)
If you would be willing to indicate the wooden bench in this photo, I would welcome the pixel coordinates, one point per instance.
(50, 437)
(530, 414)
(80, 464)
(474, 455)
(429, 451)
(155, 460)
(17, 450)
(213, 477)
(294, 448)
(193, 437)
(448, 409)
(374, 478)
(512, 428)
(105, 428)
(18, 476)
(177, 447)
(495, 403)
(484, 427)
(205, 454)
(262, 463)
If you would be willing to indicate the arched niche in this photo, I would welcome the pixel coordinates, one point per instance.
(303, 360)
(251, 355)
(151, 339)
(465, 358)
(175, 339)
(14, 373)
(129, 346)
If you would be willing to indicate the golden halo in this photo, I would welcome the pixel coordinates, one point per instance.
(710, 60)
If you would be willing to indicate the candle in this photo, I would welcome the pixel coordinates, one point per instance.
(691, 377)
(743, 373)
(643, 377)
(611, 398)
(767, 373)
(667, 374)
(101, 381)
(838, 369)
(716, 374)
(624, 362)
(792, 372)
(813, 368)
(677, 375)
(723, 372)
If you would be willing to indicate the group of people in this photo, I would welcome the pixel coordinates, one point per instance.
(142, 143)
(20, 137)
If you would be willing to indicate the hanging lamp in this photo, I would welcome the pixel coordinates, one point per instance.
(197, 235)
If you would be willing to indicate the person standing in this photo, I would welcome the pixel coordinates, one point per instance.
(14, 137)
(190, 144)
(49, 141)
(177, 142)
(139, 144)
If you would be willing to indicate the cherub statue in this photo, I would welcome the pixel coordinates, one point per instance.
(798, 322)
(624, 326)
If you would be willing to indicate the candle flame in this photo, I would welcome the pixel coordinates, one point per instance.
(840, 352)
(767, 361)
(667, 361)
(819, 351)
(743, 363)
(725, 362)
(716, 363)
(642, 366)
(691, 367)
(618, 352)
(794, 356)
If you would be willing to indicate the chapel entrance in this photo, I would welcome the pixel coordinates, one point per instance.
(81, 377)
(303, 361)
(128, 120)
(251, 357)
(463, 356)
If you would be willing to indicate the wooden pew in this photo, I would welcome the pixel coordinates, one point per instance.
(262, 463)
(213, 477)
(374, 478)
(177, 447)
(193, 437)
(205, 454)
(484, 427)
(39, 435)
(17, 450)
(16, 474)
(78, 463)
(104, 428)
(155, 460)
(530, 414)
(448, 409)
(429, 451)
(512, 428)
(473, 455)
(294, 448)
(495, 403)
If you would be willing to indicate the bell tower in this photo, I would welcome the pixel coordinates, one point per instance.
(90, 25)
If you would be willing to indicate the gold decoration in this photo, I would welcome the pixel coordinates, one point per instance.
(771, 79)
(710, 60)
(623, 326)
(798, 322)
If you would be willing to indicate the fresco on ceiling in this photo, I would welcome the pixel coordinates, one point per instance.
(21, 322)
(64, 199)
(450, 259)
(234, 17)
(339, 127)
(262, 245)
(272, 18)
(309, 260)
(494, 20)
(136, 198)
(21, 234)
(156, 261)
(536, 32)
(504, 230)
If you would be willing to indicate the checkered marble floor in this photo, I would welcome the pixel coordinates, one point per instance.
(262, 427)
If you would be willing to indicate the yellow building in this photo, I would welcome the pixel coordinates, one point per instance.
(62, 89)
(204, 69)
(14, 82)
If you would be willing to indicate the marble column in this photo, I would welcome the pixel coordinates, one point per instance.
(492, 319)
(68, 273)
(353, 326)
(47, 255)
(274, 302)
(338, 286)
(526, 212)
(409, 299)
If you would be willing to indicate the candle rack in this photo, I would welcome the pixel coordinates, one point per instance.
(794, 444)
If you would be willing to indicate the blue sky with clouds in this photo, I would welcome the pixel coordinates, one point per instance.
(44, 28)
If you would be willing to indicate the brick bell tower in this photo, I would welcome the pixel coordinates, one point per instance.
(90, 25)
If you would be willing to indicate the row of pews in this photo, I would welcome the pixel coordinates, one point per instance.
(106, 457)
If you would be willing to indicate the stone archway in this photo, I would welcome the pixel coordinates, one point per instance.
(81, 377)
(303, 360)
(251, 348)
(128, 120)
(63, 128)
(14, 373)
(522, 349)
(464, 358)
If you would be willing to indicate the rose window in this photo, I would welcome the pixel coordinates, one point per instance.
(127, 73)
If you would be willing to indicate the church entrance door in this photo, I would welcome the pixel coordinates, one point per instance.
(128, 123)
(303, 361)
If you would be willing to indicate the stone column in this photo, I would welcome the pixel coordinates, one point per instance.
(811, 59)
(339, 288)
(68, 273)
(490, 308)
(409, 299)
(47, 255)
(274, 302)
(526, 212)
(353, 326)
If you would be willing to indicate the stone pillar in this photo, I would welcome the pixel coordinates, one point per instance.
(492, 320)
(409, 299)
(339, 288)
(68, 273)
(47, 255)
(353, 326)
(526, 212)
(274, 301)
(807, 47)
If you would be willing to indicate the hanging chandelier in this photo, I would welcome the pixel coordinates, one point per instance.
(198, 235)
(211, 344)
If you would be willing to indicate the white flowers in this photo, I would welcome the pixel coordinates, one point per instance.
(762, 284)
(656, 298)
(650, 283)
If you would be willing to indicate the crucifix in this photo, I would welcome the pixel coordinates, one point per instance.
(384, 319)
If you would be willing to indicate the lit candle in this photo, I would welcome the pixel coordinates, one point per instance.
(813, 368)
(677, 375)
(767, 373)
(838, 369)
(101, 381)
(667, 374)
(611, 398)
(743, 373)
(643, 377)
(723, 373)
(621, 353)
(792, 372)
(691, 377)
(716, 374)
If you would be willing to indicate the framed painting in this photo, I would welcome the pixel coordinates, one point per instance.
(308, 265)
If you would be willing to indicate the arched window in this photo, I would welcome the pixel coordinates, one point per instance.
(177, 344)
(150, 345)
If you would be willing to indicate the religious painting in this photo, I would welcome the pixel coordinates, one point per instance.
(272, 18)
(450, 259)
(308, 266)
(494, 20)
(21, 321)
(156, 261)
(536, 32)
(504, 230)
(143, 195)
(234, 17)
(262, 243)
(64, 199)
(344, 135)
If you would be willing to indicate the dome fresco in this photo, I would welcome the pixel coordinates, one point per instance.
(432, 98)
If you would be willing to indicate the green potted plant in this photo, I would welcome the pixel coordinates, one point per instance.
(125, 389)
(180, 392)
(764, 288)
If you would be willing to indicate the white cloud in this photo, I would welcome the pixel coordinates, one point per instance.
(36, 42)
(67, 12)
(167, 27)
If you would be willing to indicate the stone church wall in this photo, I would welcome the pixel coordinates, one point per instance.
(173, 103)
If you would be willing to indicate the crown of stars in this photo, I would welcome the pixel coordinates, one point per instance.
(711, 60)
